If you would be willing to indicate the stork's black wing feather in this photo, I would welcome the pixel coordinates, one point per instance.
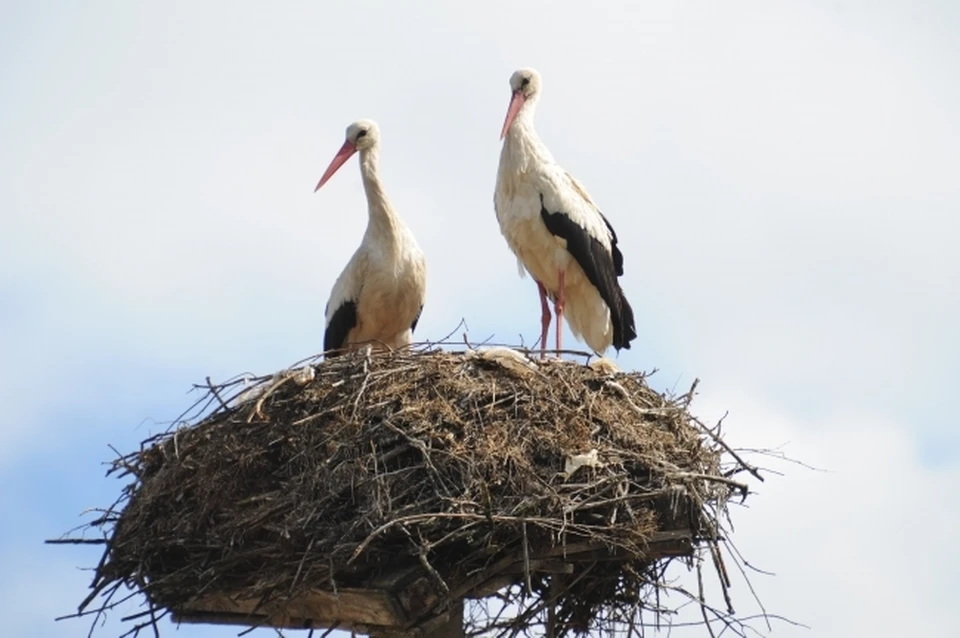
(413, 326)
(341, 323)
(617, 255)
(601, 266)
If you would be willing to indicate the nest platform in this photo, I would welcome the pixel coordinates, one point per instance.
(376, 492)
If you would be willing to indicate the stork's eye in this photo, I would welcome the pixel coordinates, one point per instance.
(525, 82)
(361, 134)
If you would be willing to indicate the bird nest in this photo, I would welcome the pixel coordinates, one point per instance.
(378, 491)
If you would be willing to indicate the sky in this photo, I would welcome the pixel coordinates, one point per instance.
(781, 176)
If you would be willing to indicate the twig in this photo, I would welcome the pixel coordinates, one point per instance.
(329, 631)
(296, 576)
(213, 389)
(257, 411)
(526, 558)
(733, 554)
(363, 387)
(723, 444)
(433, 572)
(633, 406)
(703, 608)
(462, 324)
(742, 487)
(688, 398)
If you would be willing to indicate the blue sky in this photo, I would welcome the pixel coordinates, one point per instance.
(782, 177)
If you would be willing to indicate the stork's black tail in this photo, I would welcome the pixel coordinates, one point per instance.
(621, 315)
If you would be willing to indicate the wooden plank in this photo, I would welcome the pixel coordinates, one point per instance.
(660, 550)
(370, 607)
(491, 586)
(349, 607)
(541, 566)
(661, 544)
(244, 620)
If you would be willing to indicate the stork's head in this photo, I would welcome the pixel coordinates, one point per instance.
(361, 135)
(524, 87)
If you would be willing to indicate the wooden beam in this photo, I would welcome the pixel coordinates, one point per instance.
(564, 558)
(348, 608)
(660, 545)
(197, 617)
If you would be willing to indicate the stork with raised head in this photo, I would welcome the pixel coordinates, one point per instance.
(379, 296)
(558, 233)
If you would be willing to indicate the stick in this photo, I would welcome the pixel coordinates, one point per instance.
(216, 394)
(722, 443)
(526, 558)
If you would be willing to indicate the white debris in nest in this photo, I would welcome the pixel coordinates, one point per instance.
(603, 365)
(250, 394)
(300, 376)
(508, 358)
(305, 375)
(575, 462)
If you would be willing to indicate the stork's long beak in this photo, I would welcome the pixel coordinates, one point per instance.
(516, 103)
(342, 156)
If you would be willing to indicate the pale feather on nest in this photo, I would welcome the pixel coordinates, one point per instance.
(507, 358)
(300, 376)
(603, 365)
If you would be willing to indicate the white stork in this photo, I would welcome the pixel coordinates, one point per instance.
(379, 296)
(557, 232)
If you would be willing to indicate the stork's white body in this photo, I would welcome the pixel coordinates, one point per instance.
(527, 170)
(386, 277)
(527, 173)
(378, 297)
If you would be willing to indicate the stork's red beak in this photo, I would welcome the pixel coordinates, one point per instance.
(342, 156)
(516, 103)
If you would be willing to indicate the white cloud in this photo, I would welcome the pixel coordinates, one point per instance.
(871, 533)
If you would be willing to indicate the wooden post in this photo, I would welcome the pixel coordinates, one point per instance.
(452, 627)
(449, 625)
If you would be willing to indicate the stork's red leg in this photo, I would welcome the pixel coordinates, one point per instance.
(558, 307)
(544, 319)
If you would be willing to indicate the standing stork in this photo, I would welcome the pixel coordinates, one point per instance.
(379, 296)
(557, 232)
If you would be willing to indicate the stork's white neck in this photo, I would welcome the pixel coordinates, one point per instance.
(522, 146)
(383, 220)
